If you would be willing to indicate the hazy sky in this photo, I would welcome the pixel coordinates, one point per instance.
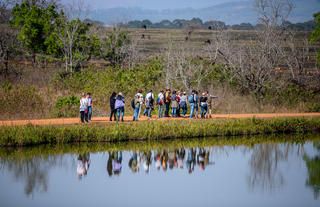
(154, 4)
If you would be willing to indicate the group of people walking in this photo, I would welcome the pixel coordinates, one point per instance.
(177, 101)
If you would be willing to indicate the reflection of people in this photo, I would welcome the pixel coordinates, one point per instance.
(181, 157)
(116, 163)
(172, 158)
(157, 160)
(164, 160)
(201, 158)
(134, 162)
(83, 164)
(146, 161)
(109, 164)
(191, 160)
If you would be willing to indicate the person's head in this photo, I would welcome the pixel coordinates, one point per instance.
(207, 92)
(113, 94)
(174, 92)
(179, 92)
(83, 96)
(150, 91)
(168, 89)
(184, 93)
(203, 94)
(88, 95)
(161, 91)
(137, 96)
(193, 92)
(140, 91)
(196, 92)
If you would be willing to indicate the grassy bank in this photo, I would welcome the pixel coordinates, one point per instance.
(153, 130)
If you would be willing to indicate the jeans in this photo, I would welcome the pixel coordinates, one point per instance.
(166, 112)
(192, 106)
(145, 111)
(113, 112)
(140, 109)
(174, 112)
(121, 109)
(184, 111)
(83, 116)
(160, 112)
(204, 109)
(89, 112)
(149, 110)
(197, 110)
(136, 113)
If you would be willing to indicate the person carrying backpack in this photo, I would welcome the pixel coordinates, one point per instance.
(84, 109)
(167, 101)
(192, 101)
(174, 104)
(136, 105)
(119, 106)
(183, 103)
(149, 102)
(159, 101)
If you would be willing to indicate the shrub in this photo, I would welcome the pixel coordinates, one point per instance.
(66, 106)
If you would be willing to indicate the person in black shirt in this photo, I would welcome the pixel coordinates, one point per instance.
(112, 105)
(204, 105)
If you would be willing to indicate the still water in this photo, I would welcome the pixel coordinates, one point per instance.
(169, 174)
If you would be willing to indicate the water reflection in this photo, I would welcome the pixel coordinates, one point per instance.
(262, 160)
(313, 166)
(83, 164)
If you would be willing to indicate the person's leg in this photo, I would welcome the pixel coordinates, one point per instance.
(82, 116)
(145, 111)
(135, 114)
(89, 112)
(167, 109)
(86, 117)
(139, 110)
(161, 110)
(205, 110)
(192, 110)
(202, 112)
(122, 113)
(197, 111)
(118, 114)
(111, 113)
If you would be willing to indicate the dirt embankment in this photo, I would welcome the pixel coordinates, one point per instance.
(62, 121)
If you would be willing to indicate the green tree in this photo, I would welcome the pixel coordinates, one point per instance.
(315, 36)
(35, 26)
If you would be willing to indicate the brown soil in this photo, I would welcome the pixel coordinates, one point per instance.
(62, 121)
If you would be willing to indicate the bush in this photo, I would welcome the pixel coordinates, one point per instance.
(66, 107)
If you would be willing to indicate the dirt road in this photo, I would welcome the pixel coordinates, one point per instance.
(62, 121)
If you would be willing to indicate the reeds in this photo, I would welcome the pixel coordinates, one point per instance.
(153, 130)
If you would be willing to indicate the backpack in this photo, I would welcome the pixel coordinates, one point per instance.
(191, 99)
(132, 104)
(158, 100)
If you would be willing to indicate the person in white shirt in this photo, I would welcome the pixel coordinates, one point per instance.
(84, 109)
(149, 102)
(160, 103)
(141, 100)
(89, 100)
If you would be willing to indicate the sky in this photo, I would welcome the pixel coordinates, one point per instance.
(154, 4)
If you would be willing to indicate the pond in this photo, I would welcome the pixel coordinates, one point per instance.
(264, 171)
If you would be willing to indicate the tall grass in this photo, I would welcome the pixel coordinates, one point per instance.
(152, 130)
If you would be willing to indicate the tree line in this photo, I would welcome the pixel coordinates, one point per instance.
(197, 23)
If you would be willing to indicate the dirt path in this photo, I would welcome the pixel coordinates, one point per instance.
(62, 121)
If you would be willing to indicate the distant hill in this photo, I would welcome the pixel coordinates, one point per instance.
(230, 13)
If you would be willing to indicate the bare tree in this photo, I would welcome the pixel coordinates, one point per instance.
(68, 34)
(8, 40)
